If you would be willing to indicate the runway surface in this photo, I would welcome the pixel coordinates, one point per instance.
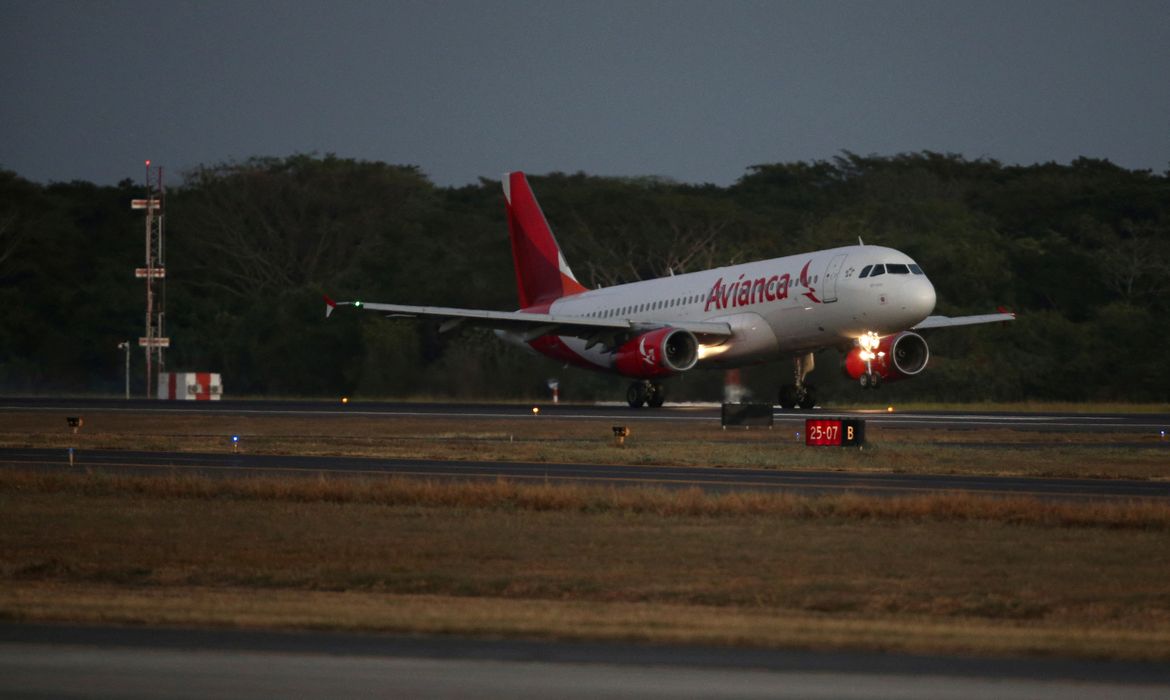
(709, 479)
(1148, 424)
(108, 662)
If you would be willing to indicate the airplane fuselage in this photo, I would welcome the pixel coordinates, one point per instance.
(778, 307)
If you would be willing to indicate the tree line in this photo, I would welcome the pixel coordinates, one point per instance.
(1080, 251)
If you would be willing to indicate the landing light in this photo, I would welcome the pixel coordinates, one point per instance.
(536, 410)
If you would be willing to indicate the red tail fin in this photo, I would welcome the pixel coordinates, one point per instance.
(542, 275)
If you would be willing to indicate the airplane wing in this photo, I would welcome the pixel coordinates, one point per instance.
(949, 321)
(530, 326)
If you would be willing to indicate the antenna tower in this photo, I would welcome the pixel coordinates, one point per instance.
(155, 274)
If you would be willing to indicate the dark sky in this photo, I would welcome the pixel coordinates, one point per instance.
(695, 91)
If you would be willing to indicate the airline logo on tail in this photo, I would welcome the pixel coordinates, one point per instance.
(542, 275)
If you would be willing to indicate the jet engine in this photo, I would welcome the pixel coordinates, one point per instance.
(659, 353)
(893, 357)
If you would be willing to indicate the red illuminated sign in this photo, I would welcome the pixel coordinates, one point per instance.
(834, 432)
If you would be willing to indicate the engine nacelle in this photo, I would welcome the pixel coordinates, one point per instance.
(658, 353)
(895, 357)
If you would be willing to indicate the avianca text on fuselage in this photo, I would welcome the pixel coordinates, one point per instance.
(750, 292)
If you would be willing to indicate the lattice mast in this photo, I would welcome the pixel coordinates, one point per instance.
(155, 340)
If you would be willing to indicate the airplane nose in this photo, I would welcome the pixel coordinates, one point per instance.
(922, 297)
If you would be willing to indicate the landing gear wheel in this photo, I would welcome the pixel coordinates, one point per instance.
(788, 397)
(864, 381)
(656, 396)
(636, 395)
(808, 398)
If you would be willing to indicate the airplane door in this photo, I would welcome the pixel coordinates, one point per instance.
(831, 274)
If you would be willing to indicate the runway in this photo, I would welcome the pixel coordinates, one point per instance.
(109, 662)
(1146, 424)
(709, 479)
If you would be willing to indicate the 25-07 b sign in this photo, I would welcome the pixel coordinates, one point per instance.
(834, 432)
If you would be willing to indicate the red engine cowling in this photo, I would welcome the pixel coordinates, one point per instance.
(895, 357)
(658, 353)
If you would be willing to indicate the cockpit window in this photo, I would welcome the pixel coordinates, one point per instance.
(916, 270)
(865, 271)
(897, 269)
(878, 270)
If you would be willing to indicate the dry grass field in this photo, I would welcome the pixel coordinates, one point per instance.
(940, 574)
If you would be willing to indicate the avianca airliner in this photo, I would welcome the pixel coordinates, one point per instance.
(866, 300)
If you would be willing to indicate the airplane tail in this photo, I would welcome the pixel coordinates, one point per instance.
(542, 275)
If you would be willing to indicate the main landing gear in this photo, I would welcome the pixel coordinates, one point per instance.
(799, 394)
(645, 392)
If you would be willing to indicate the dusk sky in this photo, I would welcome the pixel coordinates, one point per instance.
(695, 91)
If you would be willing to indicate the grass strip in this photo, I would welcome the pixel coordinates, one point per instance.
(691, 502)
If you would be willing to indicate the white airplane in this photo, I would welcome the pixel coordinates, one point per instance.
(866, 300)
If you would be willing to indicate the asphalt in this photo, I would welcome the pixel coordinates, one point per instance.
(132, 662)
(1147, 425)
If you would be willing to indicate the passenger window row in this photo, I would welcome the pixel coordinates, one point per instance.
(652, 306)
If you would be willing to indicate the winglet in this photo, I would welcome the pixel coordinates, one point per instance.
(330, 305)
